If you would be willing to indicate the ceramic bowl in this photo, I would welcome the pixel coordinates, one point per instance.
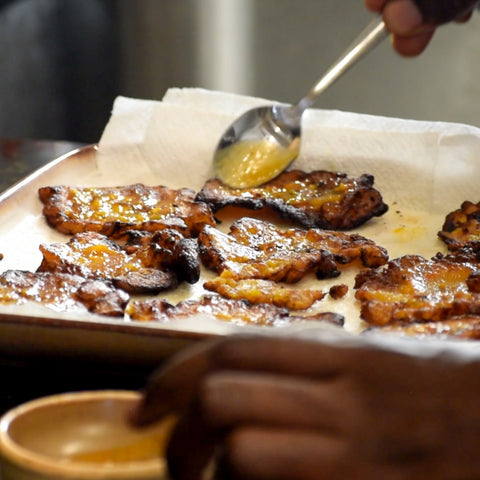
(80, 436)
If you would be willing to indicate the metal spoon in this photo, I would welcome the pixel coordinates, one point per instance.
(262, 142)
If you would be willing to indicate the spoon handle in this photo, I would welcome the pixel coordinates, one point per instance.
(369, 38)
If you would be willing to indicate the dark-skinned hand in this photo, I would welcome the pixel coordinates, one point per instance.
(280, 408)
(413, 22)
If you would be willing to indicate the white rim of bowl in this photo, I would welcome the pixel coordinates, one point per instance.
(14, 453)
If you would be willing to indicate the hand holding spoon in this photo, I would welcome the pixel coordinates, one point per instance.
(261, 143)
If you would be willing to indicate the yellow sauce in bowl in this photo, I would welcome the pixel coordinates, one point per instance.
(140, 450)
(134, 448)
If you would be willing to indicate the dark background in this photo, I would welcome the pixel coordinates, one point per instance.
(58, 68)
(63, 62)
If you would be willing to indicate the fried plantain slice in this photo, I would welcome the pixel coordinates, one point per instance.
(257, 291)
(258, 249)
(317, 199)
(113, 210)
(62, 292)
(465, 327)
(412, 288)
(226, 310)
(93, 255)
(462, 226)
(220, 252)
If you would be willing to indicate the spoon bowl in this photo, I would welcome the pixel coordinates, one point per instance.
(264, 141)
(258, 146)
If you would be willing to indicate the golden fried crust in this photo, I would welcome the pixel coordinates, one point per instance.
(93, 255)
(221, 252)
(62, 292)
(257, 291)
(316, 199)
(412, 288)
(345, 248)
(178, 254)
(112, 210)
(469, 253)
(466, 327)
(258, 249)
(462, 226)
(235, 311)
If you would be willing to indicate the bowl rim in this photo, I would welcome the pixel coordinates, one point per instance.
(14, 453)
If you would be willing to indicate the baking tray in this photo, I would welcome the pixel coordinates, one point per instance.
(409, 226)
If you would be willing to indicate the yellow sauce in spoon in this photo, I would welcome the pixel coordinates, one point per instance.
(252, 162)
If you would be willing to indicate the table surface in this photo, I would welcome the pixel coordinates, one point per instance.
(23, 378)
(20, 157)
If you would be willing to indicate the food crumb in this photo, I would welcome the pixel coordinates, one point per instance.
(338, 291)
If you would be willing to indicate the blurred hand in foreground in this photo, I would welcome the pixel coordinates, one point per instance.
(413, 22)
(278, 408)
